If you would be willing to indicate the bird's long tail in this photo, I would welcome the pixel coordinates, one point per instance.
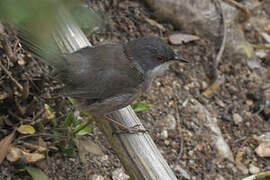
(46, 50)
(34, 22)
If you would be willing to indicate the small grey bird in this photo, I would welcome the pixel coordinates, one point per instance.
(109, 77)
(106, 78)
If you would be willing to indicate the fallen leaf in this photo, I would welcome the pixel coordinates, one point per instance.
(85, 144)
(36, 173)
(213, 88)
(26, 129)
(14, 154)
(33, 157)
(5, 146)
(239, 164)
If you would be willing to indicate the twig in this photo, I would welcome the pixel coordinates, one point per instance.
(10, 76)
(32, 135)
(180, 134)
(239, 6)
(222, 47)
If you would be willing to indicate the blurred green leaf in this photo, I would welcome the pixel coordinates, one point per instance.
(84, 131)
(87, 114)
(71, 100)
(54, 122)
(36, 173)
(140, 106)
(69, 120)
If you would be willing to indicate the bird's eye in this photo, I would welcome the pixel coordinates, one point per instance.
(159, 58)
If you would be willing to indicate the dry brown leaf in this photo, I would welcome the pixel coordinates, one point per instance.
(238, 162)
(33, 157)
(87, 145)
(5, 146)
(14, 154)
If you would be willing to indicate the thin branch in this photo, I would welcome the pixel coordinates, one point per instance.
(10, 76)
(222, 47)
(239, 6)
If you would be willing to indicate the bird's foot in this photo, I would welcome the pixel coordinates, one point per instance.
(127, 130)
(131, 130)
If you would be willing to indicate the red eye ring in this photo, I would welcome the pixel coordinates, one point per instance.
(159, 58)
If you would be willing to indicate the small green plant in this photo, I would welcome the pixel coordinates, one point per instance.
(77, 128)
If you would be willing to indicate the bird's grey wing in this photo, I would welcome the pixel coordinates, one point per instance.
(100, 73)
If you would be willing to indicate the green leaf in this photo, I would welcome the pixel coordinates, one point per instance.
(36, 173)
(87, 114)
(84, 131)
(69, 120)
(71, 100)
(140, 107)
(54, 122)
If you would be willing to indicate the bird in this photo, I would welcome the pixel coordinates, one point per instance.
(106, 78)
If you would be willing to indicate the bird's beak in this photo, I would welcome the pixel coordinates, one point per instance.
(177, 58)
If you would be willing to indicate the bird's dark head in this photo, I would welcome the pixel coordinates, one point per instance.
(151, 52)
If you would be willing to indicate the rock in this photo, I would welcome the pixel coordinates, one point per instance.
(97, 177)
(180, 38)
(263, 150)
(169, 122)
(204, 85)
(119, 174)
(253, 64)
(260, 54)
(164, 134)
(104, 158)
(253, 169)
(237, 119)
(263, 137)
(219, 177)
(182, 172)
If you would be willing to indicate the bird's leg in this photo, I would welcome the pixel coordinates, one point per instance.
(125, 129)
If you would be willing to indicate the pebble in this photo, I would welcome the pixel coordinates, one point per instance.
(119, 174)
(169, 122)
(219, 177)
(263, 150)
(97, 177)
(260, 54)
(237, 119)
(204, 85)
(164, 134)
(182, 172)
(253, 169)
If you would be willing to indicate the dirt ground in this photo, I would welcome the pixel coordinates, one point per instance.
(239, 105)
